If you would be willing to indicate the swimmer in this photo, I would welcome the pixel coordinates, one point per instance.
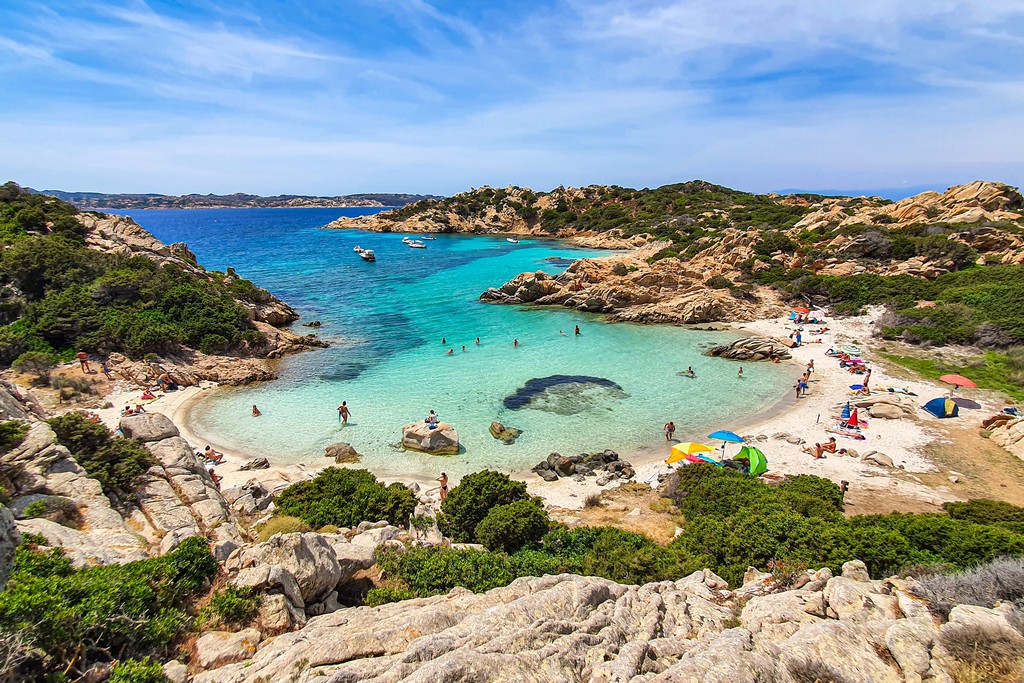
(256, 411)
(740, 373)
(443, 340)
(463, 348)
(515, 343)
(451, 351)
(562, 332)
(577, 330)
(689, 372)
(478, 341)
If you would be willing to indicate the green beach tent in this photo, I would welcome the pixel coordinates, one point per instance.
(758, 463)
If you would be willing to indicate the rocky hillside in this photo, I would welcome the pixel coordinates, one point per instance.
(99, 200)
(702, 252)
(127, 293)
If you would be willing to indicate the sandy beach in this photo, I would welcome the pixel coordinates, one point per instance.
(903, 440)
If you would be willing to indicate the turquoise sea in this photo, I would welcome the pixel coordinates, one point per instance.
(613, 386)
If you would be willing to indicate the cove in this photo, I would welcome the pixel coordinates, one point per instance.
(386, 321)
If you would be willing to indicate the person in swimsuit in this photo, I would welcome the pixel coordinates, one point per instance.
(256, 411)
(343, 412)
(670, 429)
(444, 486)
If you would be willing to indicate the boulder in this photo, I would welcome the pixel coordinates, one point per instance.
(217, 648)
(255, 464)
(148, 427)
(504, 434)
(548, 475)
(308, 557)
(341, 452)
(878, 458)
(886, 411)
(856, 570)
(441, 440)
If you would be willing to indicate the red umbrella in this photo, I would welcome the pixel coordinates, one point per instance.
(802, 310)
(958, 381)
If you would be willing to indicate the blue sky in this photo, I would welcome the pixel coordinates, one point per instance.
(350, 96)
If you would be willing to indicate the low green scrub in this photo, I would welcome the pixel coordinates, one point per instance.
(115, 463)
(345, 497)
(69, 619)
(232, 606)
(513, 526)
(999, 371)
(732, 522)
(283, 524)
(382, 595)
(143, 670)
(12, 433)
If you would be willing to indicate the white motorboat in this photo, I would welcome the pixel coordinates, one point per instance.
(407, 239)
(358, 249)
(416, 244)
(367, 255)
(513, 240)
(428, 237)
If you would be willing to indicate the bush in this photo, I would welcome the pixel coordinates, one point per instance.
(12, 433)
(142, 670)
(510, 527)
(115, 463)
(1001, 580)
(233, 606)
(382, 595)
(38, 363)
(984, 511)
(984, 653)
(345, 497)
(282, 524)
(719, 282)
(468, 503)
(71, 618)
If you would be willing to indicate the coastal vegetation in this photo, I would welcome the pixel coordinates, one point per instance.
(59, 620)
(343, 498)
(58, 296)
(730, 521)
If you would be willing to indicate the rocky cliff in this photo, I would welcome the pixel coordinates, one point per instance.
(573, 628)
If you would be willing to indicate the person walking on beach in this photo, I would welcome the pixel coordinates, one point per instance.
(256, 411)
(83, 360)
(444, 486)
(106, 370)
(343, 413)
(670, 429)
(810, 366)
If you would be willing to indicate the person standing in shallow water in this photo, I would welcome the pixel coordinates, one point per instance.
(670, 429)
(577, 330)
(515, 343)
(343, 413)
(256, 411)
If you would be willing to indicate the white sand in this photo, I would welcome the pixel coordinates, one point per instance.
(902, 440)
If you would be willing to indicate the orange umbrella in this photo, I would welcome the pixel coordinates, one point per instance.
(802, 310)
(958, 381)
(681, 450)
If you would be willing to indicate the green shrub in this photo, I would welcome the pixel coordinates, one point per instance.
(468, 503)
(57, 509)
(71, 618)
(12, 433)
(382, 595)
(142, 670)
(719, 282)
(282, 524)
(232, 606)
(510, 527)
(38, 363)
(984, 511)
(345, 497)
(115, 463)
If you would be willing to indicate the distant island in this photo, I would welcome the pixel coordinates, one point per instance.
(239, 200)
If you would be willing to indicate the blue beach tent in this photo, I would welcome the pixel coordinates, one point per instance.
(942, 407)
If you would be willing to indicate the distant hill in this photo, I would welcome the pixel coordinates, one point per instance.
(99, 200)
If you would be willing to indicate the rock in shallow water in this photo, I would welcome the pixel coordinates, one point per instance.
(564, 394)
(442, 440)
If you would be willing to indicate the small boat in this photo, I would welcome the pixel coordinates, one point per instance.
(513, 240)
(428, 237)
(367, 255)
(415, 244)
(358, 249)
(407, 239)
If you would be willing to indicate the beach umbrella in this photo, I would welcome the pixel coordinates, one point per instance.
(725, 437)
(801, 309)
(958, 381)
(681, 450)
(856, 387)
(845, 415)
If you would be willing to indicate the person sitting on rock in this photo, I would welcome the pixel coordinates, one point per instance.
(432, 419)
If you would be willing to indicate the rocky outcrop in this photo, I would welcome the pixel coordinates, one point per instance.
(506, 435)
(9, 540)
(178, 499)
(39, 466)
(217, 648)
(341, 452)
(630, 289)
(441, 440)
(604, 465)
(751, 349)
(1010, 435)
(694, 629)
